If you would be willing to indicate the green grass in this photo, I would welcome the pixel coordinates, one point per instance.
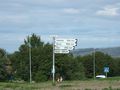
(98, 84)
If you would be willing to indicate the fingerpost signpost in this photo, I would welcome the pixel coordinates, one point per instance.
(61, 46)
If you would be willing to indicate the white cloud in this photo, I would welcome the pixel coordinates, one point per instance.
(46, 17)
(108, 11)
(13, 18)
(71, 11)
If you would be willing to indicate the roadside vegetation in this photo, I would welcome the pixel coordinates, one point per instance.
(99, 84)
(14, 67)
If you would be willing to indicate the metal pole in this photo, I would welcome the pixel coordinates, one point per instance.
(53, 69)
(30, 59)
(94, 63)
(106, 74)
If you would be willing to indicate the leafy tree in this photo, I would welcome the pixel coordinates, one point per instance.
(5, 66)
(41, 59)
(69, 67)
(116, 67)
(34, 40)
(88, 65)
(101, 60)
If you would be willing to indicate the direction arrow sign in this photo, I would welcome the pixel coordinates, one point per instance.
(64, 51)
(70, 48)
(59, 47)
(65, 40)
(64, 47)
(65, 44)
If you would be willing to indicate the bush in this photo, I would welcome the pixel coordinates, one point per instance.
(40, 77)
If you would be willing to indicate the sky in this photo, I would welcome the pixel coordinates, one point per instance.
(95, 23)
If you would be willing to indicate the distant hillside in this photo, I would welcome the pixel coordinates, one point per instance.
(114, 52)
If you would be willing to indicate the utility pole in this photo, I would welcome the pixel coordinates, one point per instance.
(53, 68)
(30, 58)
(94, 63)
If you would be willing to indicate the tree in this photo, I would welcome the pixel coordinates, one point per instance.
(101, 60)
(69, 67)
(5, 66)
(87, 61)
(34, 40)
(40, 62)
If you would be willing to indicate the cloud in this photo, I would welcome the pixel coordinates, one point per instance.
(71, 11)
(13, 18)
(66, 18)
(108, 11)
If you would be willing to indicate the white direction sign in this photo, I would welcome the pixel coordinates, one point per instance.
(64, 51)
(65, 42)
(64, 45)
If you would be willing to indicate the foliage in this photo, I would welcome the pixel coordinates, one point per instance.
(5, 66)
(69, 67)
(101, 60)
(66, 65)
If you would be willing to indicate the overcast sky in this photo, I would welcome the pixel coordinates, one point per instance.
(95, 23)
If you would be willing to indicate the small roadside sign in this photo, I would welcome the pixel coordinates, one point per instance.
(106, 69)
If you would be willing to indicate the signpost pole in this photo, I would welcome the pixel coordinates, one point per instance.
(61, 46)
(106, 74)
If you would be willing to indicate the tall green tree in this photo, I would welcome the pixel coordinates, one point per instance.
(69, 67)
(34, 40)
(88, 65)
(101, 60)
(41, 59)
(5, 66)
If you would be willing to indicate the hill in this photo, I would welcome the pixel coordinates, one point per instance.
(114, 51)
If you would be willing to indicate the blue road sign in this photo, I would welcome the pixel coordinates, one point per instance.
(106, 69)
